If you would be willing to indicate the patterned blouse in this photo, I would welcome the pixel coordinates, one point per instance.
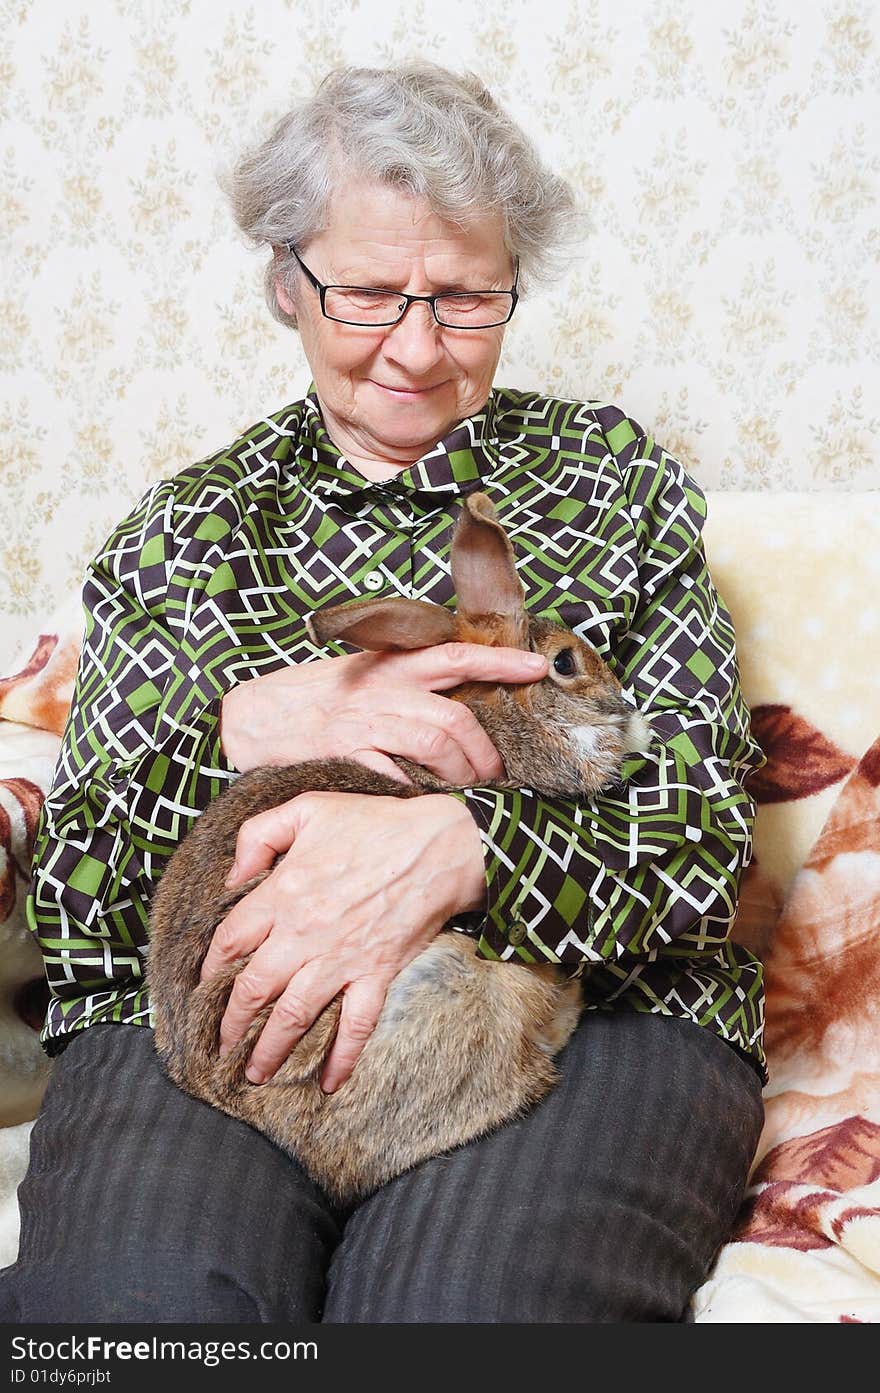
(208, 582)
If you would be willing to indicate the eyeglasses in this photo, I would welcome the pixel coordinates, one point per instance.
(454, 309)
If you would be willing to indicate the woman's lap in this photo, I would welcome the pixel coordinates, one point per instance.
(142, 1204)
(605, 1203)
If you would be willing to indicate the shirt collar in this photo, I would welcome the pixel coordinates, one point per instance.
(457, 464)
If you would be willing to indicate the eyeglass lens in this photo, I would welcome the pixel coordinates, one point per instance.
(480, 310)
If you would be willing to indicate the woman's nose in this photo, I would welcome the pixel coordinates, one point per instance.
(414, 341)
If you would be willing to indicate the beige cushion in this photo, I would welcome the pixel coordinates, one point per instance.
(800, 573)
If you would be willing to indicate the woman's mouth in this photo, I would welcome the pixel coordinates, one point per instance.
(405, 393)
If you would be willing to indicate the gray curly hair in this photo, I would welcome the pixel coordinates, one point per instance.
(416, 127)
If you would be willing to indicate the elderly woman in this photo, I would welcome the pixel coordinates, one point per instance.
(406, 215)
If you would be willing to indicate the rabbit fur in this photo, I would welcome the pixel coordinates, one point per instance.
(462, 1044)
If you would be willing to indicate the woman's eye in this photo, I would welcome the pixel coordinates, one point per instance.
(368, 298)
(564, 663)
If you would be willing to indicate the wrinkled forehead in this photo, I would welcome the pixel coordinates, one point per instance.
(370, 224)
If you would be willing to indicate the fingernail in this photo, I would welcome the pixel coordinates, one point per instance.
(233, 872)
(534, 661)
(254, 1075)
(224, 1050)
(327, 1087)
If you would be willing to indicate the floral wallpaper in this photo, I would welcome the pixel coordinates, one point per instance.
(726, 294)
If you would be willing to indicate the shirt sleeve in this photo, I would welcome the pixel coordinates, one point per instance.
(140, 758)
(652, 866)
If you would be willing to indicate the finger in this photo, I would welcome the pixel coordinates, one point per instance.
(258, 984)
(440, 735)
(296, 1009)
(381, 764)
(361, 1007)
(447, 664)
(262, 839)
(465, 755)
(245, 927)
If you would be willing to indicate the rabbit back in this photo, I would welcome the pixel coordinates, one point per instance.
(192, 897)
(461, 1045)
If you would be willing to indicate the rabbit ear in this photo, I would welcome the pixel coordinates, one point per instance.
(384, 625)
(483, 569)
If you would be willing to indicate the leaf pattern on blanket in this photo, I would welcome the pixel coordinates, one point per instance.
(802, 1178)
(801, 762)
(816, 1184)
(20, 803)
(40, 693)
(788, 1216)
(45, 647)
(800, 759)
(8, 866)
(840, 1157)
(869, 765)
(823, 974)
(784, 1216)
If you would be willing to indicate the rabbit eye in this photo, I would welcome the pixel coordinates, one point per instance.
(564, 663)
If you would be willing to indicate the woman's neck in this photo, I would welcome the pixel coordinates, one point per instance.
(359, 449)
(376, 470)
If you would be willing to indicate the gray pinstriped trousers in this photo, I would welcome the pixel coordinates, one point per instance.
(607, 1203)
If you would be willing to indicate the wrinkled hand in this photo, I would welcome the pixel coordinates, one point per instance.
(370, 706)
(363, 885)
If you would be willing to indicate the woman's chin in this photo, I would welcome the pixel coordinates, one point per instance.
(410, 422)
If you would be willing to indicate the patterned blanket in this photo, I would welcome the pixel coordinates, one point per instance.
(807, 1243)
(801, 574)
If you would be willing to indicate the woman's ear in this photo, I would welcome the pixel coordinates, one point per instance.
(284, 299)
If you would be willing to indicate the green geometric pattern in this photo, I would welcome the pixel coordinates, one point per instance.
(209, 582)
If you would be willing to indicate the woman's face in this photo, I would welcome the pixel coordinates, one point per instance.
(389, 394)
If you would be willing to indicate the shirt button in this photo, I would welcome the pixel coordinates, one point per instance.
(373, 580)
(516, 933)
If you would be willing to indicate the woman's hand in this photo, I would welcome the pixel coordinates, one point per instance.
(365, 884)
(369, 706)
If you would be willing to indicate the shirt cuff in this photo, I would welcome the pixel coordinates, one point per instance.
(531, 903)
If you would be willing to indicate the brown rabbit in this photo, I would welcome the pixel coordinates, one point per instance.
(461, 1044)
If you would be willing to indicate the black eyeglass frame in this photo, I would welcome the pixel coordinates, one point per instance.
(407, 299)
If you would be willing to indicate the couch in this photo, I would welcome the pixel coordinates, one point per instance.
(800, 573)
